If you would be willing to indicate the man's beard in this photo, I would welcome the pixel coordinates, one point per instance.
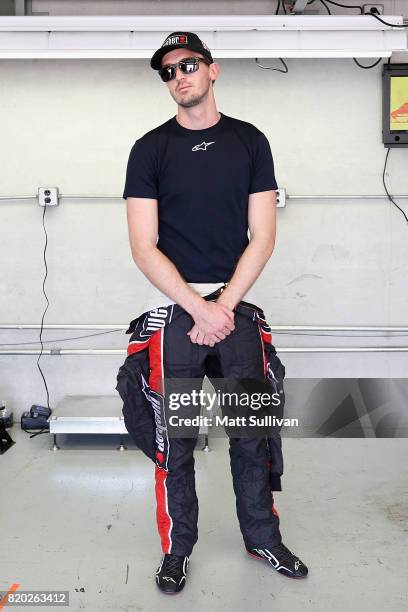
(191, 101)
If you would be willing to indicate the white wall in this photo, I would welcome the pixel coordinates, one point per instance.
(197, 7)
(71, 123)
(161, 7)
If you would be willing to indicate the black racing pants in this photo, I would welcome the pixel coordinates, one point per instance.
(240, 355)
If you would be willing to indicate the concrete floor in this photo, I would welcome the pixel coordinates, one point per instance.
(82, 519)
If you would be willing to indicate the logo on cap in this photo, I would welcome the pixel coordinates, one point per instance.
(175, 40)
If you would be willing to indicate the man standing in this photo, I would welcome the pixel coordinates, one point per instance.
(198, 182)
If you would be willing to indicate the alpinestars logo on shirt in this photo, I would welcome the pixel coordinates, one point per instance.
(203, 146)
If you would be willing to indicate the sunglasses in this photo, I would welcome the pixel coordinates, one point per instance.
(187, 65)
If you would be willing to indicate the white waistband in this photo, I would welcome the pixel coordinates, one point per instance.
(157, 299)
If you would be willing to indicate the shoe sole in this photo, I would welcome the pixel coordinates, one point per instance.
(168, 592)
(285, 575)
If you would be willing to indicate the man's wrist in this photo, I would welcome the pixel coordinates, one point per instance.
(227, 300)
(195, 304)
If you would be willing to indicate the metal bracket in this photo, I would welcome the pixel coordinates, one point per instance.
(22, 7)
(299, 6)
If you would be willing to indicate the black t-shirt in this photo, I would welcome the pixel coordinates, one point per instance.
(201, 179)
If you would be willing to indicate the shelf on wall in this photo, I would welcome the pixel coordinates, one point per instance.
(228, 36)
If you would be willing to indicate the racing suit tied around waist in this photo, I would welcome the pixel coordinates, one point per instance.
(139, 381)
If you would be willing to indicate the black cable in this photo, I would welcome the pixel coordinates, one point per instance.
(393, 25)
(366, 67)
(343, 6)
(269, 68)
(42, 320)
(283, 6)
(362, 13)
(44, 429)
(385, 186)
(325, 5)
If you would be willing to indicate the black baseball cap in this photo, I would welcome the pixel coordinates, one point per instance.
(180, 40)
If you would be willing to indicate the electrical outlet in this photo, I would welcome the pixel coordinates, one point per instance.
(373, 8)
(48, 196)
(280, 198)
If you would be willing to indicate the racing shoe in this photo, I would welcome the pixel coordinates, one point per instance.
(171, 573)
(282, 559)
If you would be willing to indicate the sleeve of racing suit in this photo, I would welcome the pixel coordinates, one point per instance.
(132, 386)
(275, 375)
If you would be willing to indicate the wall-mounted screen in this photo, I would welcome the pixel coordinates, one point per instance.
(395, 105)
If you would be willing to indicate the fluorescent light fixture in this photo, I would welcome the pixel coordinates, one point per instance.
(230, 53)
(228, 36)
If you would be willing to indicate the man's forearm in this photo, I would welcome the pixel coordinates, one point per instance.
(249, 267)
(164, 275)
